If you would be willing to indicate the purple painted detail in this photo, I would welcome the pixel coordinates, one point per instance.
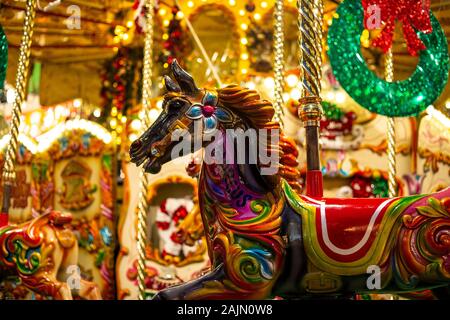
(411, 210)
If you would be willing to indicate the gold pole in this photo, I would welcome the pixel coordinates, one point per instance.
(146, 105)
(392, 170)
(279, 61)
(310, 110)
(21, 82)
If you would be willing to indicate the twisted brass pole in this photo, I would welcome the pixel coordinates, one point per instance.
(279, 61)
(392, 170)
(21, 81)
(146, 105)
(310, 110)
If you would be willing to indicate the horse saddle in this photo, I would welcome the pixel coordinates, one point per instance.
(347, 236)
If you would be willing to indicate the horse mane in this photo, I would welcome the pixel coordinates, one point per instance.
(259, 113)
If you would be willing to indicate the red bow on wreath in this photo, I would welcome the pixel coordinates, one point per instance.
(413, 14)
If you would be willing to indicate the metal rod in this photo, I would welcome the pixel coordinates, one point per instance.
(278, 16)
(9, 174)
(146, 105)
(392, 170)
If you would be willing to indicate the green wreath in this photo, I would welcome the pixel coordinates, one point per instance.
(393, 99)
(3, 57)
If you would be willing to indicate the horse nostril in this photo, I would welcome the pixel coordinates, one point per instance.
(136, 145)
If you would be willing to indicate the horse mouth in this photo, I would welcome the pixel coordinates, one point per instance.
(139, 155)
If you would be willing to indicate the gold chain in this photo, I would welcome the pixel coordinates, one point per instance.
(310, 44)
(21, 81)
(279, 61)
(392, 170)
(146, 105)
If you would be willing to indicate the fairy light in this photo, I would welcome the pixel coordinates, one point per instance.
(165, 36)
(263, 4)
(244, 41)
(180, 15)
(166, 23)
(232, 2)
(244, 56)
(257, 16)
(136, 124)
(153, 114)
(340, 97)
(132, 137)
(269, 83)
(129, 23)
(244, 71)
(447, 104)
(244, 26)
(295, 94)
(77, 103)
(190, 4)
(46, 140)
(113, 123)
(242, 12)
(162, 12)
(330, 95)
(97, 112)
(251, 85)
(292, 80)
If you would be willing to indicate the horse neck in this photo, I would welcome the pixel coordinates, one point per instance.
(232, 187)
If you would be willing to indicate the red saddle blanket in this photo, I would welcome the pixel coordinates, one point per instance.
(347, 228)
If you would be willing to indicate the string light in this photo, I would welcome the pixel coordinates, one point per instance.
(244, 41)
(190, 4)
(295, 94)
(291, 80)
(340, 97)
(136, 124)
(46, 140)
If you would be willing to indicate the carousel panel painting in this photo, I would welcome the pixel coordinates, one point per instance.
(176, 249)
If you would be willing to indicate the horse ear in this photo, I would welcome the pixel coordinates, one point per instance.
(184, 79)
(171, 85)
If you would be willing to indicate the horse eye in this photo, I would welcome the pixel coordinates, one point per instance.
(177, 104)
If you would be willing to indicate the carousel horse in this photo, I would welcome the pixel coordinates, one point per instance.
(265, 239)
(39, 252)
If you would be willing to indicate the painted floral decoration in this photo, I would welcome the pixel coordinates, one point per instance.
(209, 112)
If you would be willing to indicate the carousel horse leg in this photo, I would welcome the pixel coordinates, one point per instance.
(289, 281)
(89, 290)
(181, 292)
(86, 290)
